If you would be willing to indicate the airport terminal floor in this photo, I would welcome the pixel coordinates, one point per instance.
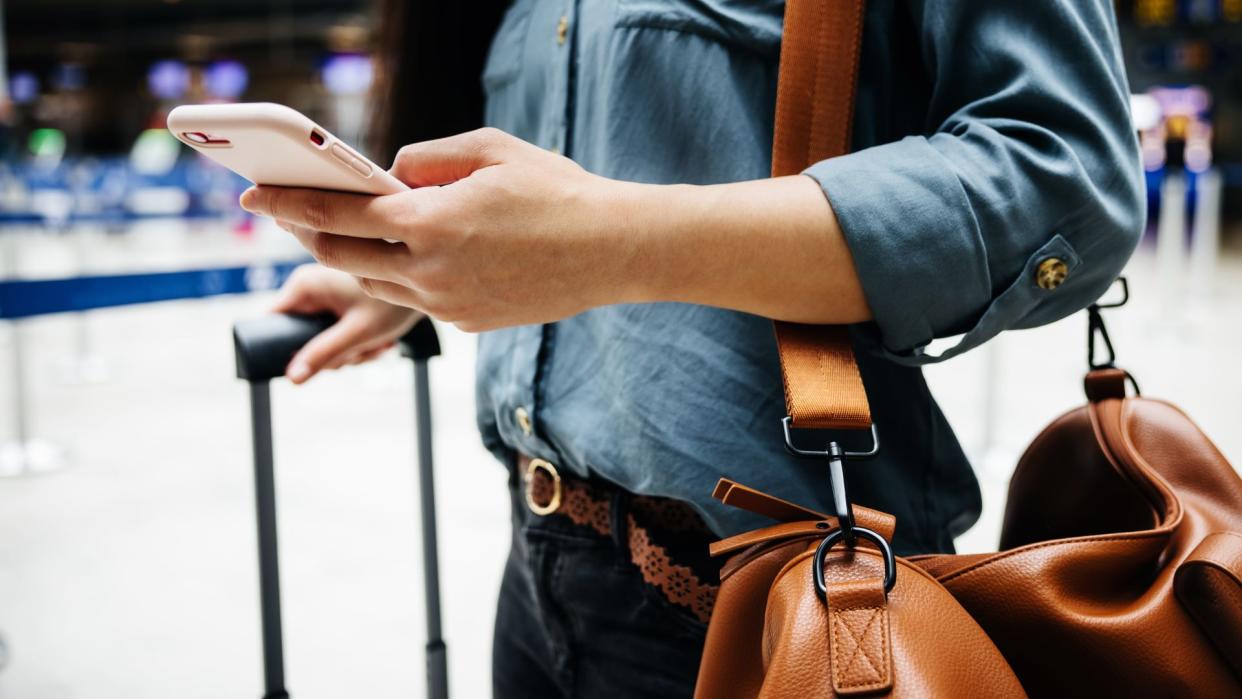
(129, 570)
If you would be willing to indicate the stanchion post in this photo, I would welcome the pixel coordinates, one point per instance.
(21, 428)
(1205, 239)
(24, 455)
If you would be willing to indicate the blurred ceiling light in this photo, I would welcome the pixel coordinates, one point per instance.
(47, 144)
(1145, 111)
(168, 80)
(347, 74)
(226, 79)
(155, 152)
(1152, 148)
(1188, 100)
(1198, 155)
(23, 87)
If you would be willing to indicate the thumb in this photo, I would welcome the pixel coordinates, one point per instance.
(446, 160)
(336, 341)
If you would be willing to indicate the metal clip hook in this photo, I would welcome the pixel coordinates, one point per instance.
(1096, 328)
(836, 455)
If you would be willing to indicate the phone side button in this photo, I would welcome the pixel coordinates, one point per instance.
(360, 167)
(343, 155)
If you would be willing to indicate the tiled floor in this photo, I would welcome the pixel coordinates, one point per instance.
(131, 572)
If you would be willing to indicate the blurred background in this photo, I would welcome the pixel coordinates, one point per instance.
(127, 564)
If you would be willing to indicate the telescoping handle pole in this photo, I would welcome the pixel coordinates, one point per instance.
(421, 344)
(264, 347)
(265, 517)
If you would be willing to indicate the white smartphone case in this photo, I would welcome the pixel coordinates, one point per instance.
(272, 144)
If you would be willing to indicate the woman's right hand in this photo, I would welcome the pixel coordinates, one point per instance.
(365, 327)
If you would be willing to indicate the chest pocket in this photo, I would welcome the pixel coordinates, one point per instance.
(504, 58)
(753, 26)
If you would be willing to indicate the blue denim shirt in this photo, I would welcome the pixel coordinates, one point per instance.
(989, 136)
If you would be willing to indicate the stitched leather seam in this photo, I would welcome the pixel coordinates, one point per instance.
(842, 670)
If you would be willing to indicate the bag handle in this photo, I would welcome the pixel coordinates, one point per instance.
(814, 118)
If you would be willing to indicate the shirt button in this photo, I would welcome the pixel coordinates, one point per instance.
(1051, 273)
(523, 420)
(562, 30)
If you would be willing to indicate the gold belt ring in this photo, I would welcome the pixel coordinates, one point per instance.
(555, 503)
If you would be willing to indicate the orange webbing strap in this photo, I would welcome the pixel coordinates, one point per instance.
(814, 115)
(822, 385)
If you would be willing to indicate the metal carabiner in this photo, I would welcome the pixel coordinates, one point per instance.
(836, 455)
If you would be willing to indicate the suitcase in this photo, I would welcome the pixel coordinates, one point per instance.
(264, 347)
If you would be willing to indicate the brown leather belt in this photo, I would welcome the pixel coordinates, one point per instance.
(549, 492)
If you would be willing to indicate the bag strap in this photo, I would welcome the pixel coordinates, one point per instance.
(814, 118)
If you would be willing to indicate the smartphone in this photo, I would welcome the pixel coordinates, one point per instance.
(272, 144)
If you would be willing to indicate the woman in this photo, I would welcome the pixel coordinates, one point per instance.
(618, 245)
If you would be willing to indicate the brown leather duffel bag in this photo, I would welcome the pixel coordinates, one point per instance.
(1120, 572)
(1120, 575)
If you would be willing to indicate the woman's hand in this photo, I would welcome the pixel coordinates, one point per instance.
(514, 235)
(365, 328)
(498, 232)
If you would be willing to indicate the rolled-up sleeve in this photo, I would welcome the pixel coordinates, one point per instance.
(1029, 155)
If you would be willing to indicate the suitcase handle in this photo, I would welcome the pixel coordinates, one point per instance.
(265, 345)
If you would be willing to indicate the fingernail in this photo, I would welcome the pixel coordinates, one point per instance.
(298, 371)
(249, 200)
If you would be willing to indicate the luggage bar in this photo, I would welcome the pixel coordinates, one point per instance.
(264, 347)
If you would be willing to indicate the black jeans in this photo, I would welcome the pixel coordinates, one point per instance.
(576, 619)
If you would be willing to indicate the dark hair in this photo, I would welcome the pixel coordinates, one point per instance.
(428, 68)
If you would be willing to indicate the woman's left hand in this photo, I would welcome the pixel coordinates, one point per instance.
(512, 234)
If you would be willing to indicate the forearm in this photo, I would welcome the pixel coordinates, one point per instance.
(522, 236)
(768, 247)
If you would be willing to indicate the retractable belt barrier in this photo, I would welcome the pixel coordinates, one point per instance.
(17, 219)
(23, 298)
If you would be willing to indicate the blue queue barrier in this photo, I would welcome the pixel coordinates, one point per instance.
(23, 298)
(14, 219)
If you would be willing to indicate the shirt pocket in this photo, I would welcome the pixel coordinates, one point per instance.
(504, 58)
(1011, 309)
(749, 25)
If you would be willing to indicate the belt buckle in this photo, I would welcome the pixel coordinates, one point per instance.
(555, 503)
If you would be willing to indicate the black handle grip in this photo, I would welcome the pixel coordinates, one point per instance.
(265, 345)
